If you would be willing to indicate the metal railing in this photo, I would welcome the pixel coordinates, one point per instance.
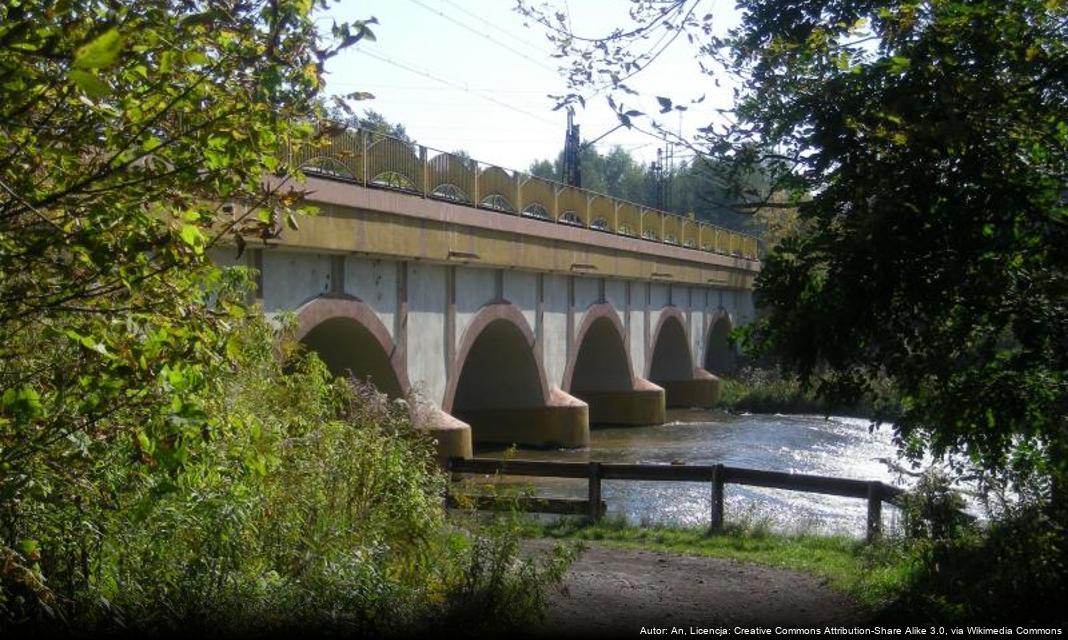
(373, 159)
(717, 475)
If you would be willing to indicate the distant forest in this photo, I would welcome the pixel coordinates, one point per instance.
(692, 187)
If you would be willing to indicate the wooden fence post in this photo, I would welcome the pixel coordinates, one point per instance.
(875, 510)
(595, 492)
(717, 498)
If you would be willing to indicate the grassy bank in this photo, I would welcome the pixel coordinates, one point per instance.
(1007, 572)
(873, 576)
(768, 390)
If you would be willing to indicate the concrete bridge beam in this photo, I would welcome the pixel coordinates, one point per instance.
(510, 329)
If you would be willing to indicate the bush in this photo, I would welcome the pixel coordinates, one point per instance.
(1010, 570)
(305, 501)
(767, 389)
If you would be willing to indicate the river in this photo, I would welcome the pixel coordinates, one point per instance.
(837, 446)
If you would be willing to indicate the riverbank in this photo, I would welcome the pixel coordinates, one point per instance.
(611, 591)
(872, 577)
(768, 390)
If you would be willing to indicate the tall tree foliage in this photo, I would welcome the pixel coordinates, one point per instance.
(692, 187)
(125, 129)
(933, 245)
(924, 146)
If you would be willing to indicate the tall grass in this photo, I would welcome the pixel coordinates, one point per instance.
(768, 390)
(307, 502)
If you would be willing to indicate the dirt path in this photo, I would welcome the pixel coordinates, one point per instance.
(616, 592)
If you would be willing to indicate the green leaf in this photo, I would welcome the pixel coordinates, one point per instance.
(89, 83)
(22, 402)
(29, 548)
(191, 235)
(99, 53)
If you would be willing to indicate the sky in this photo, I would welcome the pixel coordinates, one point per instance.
(469, 75)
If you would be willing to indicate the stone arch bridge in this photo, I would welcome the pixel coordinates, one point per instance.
(521, 310)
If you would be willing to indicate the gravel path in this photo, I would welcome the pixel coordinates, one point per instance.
(615, 592)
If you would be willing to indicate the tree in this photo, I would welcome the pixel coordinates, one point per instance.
(693, 187)
(924, 146)
(134, 137)
(340, 112)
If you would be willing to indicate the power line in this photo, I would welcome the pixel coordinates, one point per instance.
(413, 87)
(490, 24)
(410, 68)
(484, 36)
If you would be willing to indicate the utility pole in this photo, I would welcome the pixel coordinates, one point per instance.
(572, 172)
(656, 174)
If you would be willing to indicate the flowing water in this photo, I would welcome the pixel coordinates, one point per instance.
(840, 447)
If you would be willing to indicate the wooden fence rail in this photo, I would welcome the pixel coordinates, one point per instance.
(717, 475)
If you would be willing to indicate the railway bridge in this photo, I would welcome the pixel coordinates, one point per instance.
(517, 309)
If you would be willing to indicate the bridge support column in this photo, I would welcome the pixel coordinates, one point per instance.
(563, 422)
(452, 437)
(700, 391)
(642, 405)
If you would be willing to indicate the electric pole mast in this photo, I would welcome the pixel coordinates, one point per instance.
(572, 172)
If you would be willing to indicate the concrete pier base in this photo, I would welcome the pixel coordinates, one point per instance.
(452, 437)
(644, 404)
(701, 391)
(564, 422)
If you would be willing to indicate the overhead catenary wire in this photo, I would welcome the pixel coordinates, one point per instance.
(484, 36)
(412, 69)
(511, 35)
(413, 87)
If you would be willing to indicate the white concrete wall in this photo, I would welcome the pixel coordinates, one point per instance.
(637, 327)
(474, 288)
(374, 282)
(427, 365)
(554, 354)
(290, 279)
(521, 289)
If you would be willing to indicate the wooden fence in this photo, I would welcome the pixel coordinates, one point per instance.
(717, 475)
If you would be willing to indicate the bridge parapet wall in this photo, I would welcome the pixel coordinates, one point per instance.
(372, 159)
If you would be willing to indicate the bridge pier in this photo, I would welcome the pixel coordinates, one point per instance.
(642, 405)
(452, 437)
(700, 391)
(563, 422)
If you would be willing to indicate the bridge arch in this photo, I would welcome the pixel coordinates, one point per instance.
(672, 367)
(720, 357)
(350, 339)
(599, 372)
(496, 350)
(670, 358)
(600, 360)
(497, 384)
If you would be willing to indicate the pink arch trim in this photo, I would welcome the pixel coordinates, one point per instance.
(318, 310)
(487, 314)
(594, 313)
(719, 314)
(668, 314)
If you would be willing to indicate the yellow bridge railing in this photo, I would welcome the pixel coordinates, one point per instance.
(376, 160)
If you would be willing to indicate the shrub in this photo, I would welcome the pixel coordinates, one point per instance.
(309, 502)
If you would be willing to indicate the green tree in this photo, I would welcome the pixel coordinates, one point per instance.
(134, 137)
(934, 242)
(923, 144)
(340, 112)
(693, 187)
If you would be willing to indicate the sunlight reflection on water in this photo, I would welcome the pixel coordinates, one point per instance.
(840, 447)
